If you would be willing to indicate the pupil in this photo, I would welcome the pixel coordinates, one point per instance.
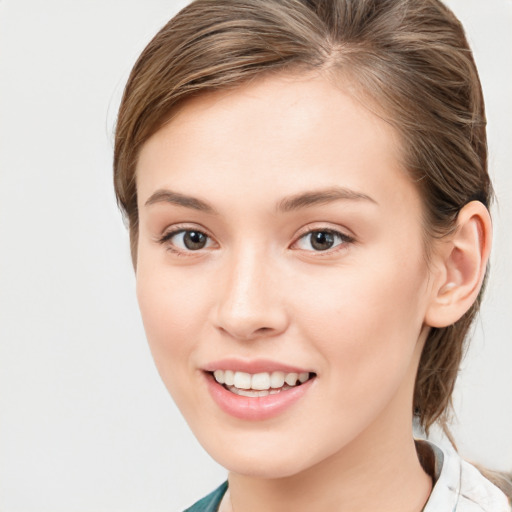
(322, 240)
(194, 240)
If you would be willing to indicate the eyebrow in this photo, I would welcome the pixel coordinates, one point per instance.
(288, 204)
(319, 197)
(168, 196)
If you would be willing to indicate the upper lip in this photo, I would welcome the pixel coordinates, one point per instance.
(252, 366)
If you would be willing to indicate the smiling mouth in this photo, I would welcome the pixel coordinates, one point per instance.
(259, 384)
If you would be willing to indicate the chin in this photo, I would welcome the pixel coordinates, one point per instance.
(260, 457)
(264, 468)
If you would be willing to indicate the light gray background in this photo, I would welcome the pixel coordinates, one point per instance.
(85, 423)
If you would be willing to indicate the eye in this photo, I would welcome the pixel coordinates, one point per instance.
(321, 240)
(185, 240)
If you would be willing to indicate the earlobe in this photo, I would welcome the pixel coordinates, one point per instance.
(461, 262)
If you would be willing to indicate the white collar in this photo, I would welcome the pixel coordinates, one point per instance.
(460, 487)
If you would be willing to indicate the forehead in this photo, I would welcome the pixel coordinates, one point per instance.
(281, 130)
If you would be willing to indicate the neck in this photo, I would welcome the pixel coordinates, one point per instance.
(383, 475)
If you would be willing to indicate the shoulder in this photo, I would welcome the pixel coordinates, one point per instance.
(479, 494)
(211, 502)
(460, 487)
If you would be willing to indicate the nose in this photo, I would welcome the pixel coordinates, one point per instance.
(250, 304)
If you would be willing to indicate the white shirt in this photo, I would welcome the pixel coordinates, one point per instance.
(460, 487)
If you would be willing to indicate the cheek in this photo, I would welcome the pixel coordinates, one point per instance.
(366, 326)
(173, 312)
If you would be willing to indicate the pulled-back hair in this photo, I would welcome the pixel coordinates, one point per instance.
(407, 60)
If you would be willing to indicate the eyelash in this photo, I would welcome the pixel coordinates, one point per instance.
(166, 238)
(343, 239)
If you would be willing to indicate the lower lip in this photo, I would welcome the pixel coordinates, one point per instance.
(255, 408)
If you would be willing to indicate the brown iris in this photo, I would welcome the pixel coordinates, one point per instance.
(322, 240)
(194, 240)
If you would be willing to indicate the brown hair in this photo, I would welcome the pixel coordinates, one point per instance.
(407, 59)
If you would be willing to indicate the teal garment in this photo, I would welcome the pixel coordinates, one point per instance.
(211, 502)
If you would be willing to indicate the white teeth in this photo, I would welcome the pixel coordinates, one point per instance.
(245, 392)
(242, 380)
(291, 379)
(251, 393)
(219, 376)
(277, 380)
(229, 377)
(259, 382)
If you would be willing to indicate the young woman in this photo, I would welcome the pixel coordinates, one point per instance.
(307, 194)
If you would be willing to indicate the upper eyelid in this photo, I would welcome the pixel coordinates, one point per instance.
(343, 236)
(178, 228)
(314, 227)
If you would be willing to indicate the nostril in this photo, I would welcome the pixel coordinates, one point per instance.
(246, 332)
(263, 330)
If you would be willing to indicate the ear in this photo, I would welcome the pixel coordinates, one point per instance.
(459, 265)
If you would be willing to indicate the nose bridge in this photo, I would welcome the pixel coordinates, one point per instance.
(249, 304)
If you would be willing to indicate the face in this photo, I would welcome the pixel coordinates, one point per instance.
(281, 274)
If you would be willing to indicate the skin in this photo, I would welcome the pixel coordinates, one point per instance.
(354, 314)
